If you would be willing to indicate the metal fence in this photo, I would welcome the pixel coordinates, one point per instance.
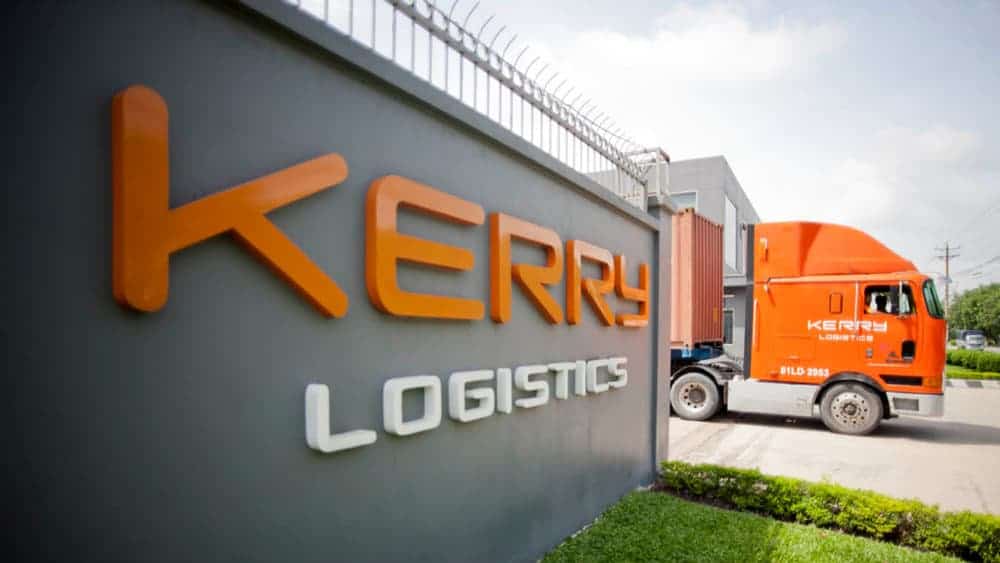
(654, 163)
(460, 53)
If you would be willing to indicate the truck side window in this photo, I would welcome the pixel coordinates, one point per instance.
(934, 307)
(877, 299)
(836, 303)
(887, 299)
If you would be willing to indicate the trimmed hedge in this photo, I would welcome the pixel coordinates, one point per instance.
(979, 360)
(971, 536)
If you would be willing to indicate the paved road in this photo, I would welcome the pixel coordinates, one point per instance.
(952, 461)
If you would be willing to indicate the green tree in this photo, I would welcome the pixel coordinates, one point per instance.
(977, 309)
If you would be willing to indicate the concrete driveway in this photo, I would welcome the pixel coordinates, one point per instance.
(952, 461)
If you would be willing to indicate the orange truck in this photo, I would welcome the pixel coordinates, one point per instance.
(840, 326)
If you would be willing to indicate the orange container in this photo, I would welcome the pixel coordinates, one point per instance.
(696, 281)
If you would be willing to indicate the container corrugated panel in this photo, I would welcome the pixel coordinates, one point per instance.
(696, 285)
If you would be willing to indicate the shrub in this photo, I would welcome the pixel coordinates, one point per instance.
(979, 360)
(987, 361)
(975, 537)
(956, 357)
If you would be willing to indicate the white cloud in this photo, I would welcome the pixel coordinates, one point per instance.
(938, 144)
(711, 43)
(656, 85)
(899, 172)
(909, 187)
(812, 133)
(857, 189)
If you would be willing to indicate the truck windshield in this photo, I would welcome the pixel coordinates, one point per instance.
(931, 298)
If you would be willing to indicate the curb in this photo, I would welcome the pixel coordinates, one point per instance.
(973, 383)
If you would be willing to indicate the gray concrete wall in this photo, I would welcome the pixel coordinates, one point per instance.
(178, 435)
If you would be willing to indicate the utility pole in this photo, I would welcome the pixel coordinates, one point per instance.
(950, 253)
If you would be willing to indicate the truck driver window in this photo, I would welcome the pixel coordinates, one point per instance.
(886, 299)
(877, 299)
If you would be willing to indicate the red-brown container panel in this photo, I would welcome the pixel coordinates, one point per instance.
(696, 281)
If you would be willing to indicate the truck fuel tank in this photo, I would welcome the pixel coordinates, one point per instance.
(788, 399)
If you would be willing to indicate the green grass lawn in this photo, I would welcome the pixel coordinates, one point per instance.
(651, 526)
(956, 372)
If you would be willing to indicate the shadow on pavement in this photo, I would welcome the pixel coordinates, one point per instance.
(908, 428)
(940, 431)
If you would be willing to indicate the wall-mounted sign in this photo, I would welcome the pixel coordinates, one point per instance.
(583, 377)
(147, 232)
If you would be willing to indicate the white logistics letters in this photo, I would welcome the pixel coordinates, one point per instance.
(318, 434)
(540, 387)
(457, 395)
(392, 404)
(487, 391)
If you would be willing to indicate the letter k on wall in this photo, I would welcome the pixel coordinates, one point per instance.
(147, 231)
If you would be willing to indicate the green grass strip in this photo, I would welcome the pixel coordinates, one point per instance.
(652, 526)
(958, 372)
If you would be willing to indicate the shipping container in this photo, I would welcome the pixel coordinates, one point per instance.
(696, 286)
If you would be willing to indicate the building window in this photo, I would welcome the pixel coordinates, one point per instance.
(685, 200)
(727, 326)
(731, 236)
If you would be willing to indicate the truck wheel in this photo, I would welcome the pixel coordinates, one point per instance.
(694, 397)
(851, 408)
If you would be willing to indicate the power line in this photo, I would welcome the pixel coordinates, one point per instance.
(993, 260)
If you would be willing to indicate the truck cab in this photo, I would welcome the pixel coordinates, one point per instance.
(841, 326)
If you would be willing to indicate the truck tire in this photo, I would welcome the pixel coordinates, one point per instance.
(851, 408)
(694, 396)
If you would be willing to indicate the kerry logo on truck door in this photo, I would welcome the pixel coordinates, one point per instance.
(846, 331)
(147, 232)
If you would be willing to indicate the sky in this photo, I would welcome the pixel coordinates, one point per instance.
(878, 115)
